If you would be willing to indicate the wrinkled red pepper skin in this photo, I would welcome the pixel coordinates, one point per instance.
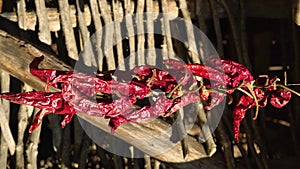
(45, 75)
(37, 99)
(239, 112)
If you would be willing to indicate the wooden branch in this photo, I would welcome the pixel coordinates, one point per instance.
(18, 67)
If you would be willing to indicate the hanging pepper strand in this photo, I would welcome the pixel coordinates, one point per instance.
(80, 92)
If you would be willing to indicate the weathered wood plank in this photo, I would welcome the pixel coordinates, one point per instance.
(11, 49)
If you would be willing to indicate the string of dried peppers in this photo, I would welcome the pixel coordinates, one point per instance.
(128, 101)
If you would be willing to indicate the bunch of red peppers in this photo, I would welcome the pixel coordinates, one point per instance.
(151, 92)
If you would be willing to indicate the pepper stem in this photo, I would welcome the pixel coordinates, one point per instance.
(178, 85)
(289, 89)
(250, 87)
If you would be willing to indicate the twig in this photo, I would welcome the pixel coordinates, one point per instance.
(117, 160)
(166, 28)
(109, 33)
(156, 164)
(21, 11)
(118, 33)
(32, 146)
(78, 139)
(104, 158)
(234, 30)
(202, 25)
(189, 31)
(56, 131)
(85, 148)
(201, 21)
(68, 29)
(1, 5)
(180, 133)
(151, 55)
(147, 162)
(205, 135)
(224, 140)
(289, 89)
(98, 33)
(250, 144)
(140, 29)
(239, 145)
(129, 8)
(65, 149)
(22, 123)
(87, 51)
(244, 35)
(44, 31)
(217, 26)
(260, 144)
(6, 142)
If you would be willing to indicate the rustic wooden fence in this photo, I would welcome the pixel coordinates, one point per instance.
(64, 27)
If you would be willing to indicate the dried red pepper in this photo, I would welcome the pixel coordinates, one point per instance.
(78, 91)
